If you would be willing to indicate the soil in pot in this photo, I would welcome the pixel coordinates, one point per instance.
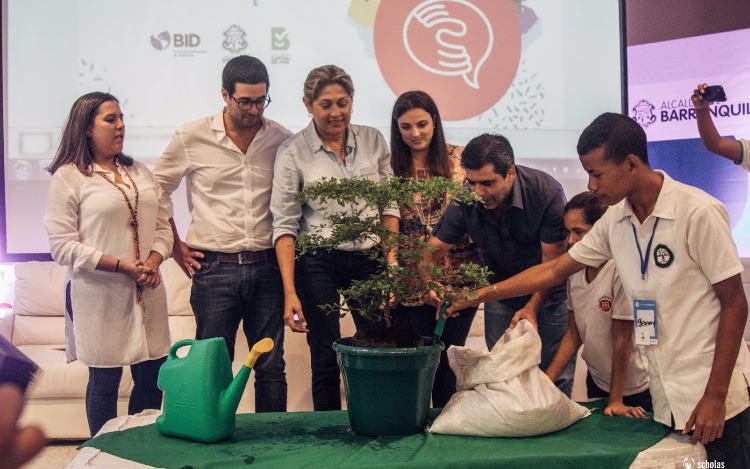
(400, 335)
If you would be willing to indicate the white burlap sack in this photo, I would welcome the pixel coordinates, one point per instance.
(503, 392)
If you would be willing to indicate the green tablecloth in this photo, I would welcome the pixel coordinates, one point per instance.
(323, 439)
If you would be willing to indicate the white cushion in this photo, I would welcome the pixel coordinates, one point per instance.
(39, 289)
(181, 327)
(178, 287)
(57, 379)
(38, 330)
(6, 323)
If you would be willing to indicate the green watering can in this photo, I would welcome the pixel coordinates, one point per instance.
(200, 395)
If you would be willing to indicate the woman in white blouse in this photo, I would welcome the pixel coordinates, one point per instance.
(106, 225)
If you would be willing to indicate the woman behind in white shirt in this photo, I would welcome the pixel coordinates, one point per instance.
(597, 308)
(106, 225)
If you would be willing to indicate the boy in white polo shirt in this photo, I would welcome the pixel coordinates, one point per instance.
(737, 151)
(680, 270)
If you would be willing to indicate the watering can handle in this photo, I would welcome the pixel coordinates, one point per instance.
(178, 345)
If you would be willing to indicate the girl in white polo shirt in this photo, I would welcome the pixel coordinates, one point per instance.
(598, 307)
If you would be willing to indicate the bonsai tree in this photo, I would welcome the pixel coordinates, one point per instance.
(365, 201)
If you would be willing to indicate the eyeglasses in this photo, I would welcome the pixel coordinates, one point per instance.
(246, 104)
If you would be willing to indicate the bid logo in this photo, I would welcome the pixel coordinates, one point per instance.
(463, 53)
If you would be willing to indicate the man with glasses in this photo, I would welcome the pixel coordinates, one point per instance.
(227, 163)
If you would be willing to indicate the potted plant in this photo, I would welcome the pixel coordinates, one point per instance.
(388, 379)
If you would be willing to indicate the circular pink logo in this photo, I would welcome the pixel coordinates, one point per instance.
(463, 53)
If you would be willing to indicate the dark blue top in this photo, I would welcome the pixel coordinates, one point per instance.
(511, 244)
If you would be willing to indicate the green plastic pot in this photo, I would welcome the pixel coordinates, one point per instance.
(388, 389)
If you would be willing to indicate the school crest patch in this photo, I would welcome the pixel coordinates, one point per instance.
(663, 256)
(605, 304)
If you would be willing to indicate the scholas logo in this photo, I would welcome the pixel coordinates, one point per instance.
(162, 40)
(464, 53)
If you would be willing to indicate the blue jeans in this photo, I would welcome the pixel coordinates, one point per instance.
(224, 294)
(553, 322)
(101, 392)
(421, 319)
(318, 278)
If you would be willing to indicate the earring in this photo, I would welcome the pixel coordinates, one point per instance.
(309, 114)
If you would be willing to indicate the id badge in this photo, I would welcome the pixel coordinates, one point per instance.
(644, 318)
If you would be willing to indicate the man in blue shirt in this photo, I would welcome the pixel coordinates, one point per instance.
(518, 224)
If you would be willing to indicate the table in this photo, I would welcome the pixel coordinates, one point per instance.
(322, 439)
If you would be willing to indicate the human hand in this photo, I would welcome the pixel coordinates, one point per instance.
(697, 97)
(293, 314)
(708, 418)
(135, 270)
(153, 261)
(459, 300)
(17, 444)
(431, 298)
(152, 277)
(621, 410)
(187, 259)
(525, 313)
(150, 280)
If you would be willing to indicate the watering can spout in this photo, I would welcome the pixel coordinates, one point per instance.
(230, 399)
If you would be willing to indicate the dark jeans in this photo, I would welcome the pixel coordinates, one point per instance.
(553, 322)
(318, 278)
(224, 294)
(642, 399)
(422, 320)
(101, 392)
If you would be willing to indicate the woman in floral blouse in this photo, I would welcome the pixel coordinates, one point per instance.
(418, 150)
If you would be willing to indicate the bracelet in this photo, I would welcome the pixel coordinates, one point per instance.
(117, 266)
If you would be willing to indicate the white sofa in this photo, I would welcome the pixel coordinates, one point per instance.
(55, 400)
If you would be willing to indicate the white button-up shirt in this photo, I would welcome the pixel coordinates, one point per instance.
(229, 192)
(695, 250)
(87, 217)
(745, 154)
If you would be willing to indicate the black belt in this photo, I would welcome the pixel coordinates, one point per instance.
(244, 257)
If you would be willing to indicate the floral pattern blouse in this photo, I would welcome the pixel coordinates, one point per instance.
(420, 221)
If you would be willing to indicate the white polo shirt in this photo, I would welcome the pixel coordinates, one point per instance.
(692, 249)
(745, 154)
(595, 304)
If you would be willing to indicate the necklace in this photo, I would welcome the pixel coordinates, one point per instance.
(421, 173)
(133, 222)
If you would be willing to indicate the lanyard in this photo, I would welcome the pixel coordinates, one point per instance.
(644, 259)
